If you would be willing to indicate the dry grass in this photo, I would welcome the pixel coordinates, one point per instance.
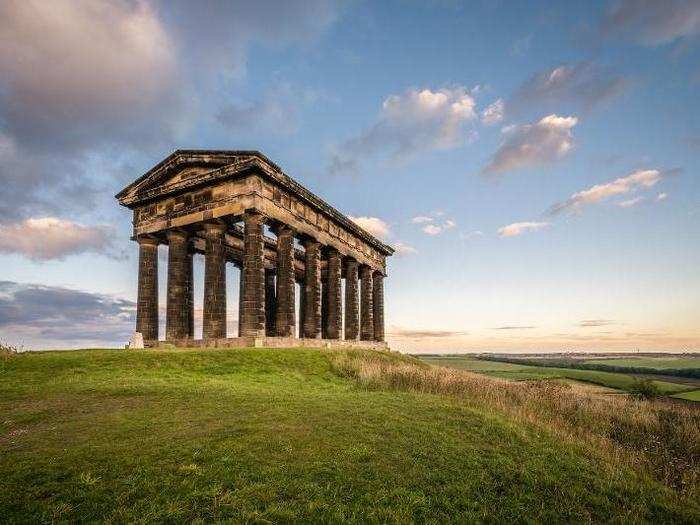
(655, 436)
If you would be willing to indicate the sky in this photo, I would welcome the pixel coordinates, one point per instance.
(535, 164)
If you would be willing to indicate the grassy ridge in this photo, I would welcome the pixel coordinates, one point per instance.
(288, 435)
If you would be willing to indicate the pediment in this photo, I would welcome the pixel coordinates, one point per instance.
(181, 169)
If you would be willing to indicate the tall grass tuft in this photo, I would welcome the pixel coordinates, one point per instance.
(659, 437)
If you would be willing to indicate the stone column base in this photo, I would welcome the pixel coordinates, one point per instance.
(268, 342)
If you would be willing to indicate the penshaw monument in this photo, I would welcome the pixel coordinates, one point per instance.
(239, 207)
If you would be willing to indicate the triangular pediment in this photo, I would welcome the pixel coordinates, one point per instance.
(181, 168)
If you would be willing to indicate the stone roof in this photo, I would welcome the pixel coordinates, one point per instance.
(224, 164)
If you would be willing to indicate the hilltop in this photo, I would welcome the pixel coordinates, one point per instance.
(315, 435)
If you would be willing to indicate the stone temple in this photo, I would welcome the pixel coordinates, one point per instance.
(239, 207)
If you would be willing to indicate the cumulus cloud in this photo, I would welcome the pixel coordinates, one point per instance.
(636, 181)
(409, 123)
(81, 79)
(518, 228)
(652, 22)
(493, 113)
(117, 62)
(46, 238)
(433, 223)
(35, 314)
(661, 197)
(532, 145)
(585, 85)
(402, 249)
(373, 225)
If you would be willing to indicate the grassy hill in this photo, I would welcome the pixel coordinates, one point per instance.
(313, 435)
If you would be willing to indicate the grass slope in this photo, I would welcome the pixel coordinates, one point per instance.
(276, 435)
(614, 380)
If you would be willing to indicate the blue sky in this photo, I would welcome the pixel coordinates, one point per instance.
(535, 163)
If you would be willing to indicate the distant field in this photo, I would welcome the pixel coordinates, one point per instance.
(693, 395)
(613, 380)
(658, 363)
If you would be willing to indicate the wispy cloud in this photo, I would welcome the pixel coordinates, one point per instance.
(47, 238)
(398, 332)
(474, 234)
(636, 181)
(513, 327)
(493, 113)
(629, 203)
(434, 223)
(401, 249)
(518, 228)
(592, 323)
(586, 85)
(531, 145)
(652, 22)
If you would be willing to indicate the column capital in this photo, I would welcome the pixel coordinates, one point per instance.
(147, 240)
(176, 234)
(215, 227)
(279, 228)
(309, 242)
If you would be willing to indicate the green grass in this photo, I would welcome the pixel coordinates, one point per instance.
(693, 395)
(658, 363)
(277, 436)
(517, 372)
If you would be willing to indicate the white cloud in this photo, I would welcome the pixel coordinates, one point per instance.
(412, 122)
(629, 203)
(46, 238)
(373, 225)
(641, 179)
(661, 197)
(431, 229)
(493, 113)
(421, 219)
(518, 228)
(532, 144)
(402, 249)
(449, 224)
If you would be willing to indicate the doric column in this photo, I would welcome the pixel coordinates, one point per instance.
(214, 321)
(324, 309)
(285, 319)
(190, 295)
(334, 295)
(352, 318)
(270, 301)
(302, 307)
(366, 311)
(253, 287)
(240, 299)
(312, 290)
(147, 295)
(378, 305)
(177, 312)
